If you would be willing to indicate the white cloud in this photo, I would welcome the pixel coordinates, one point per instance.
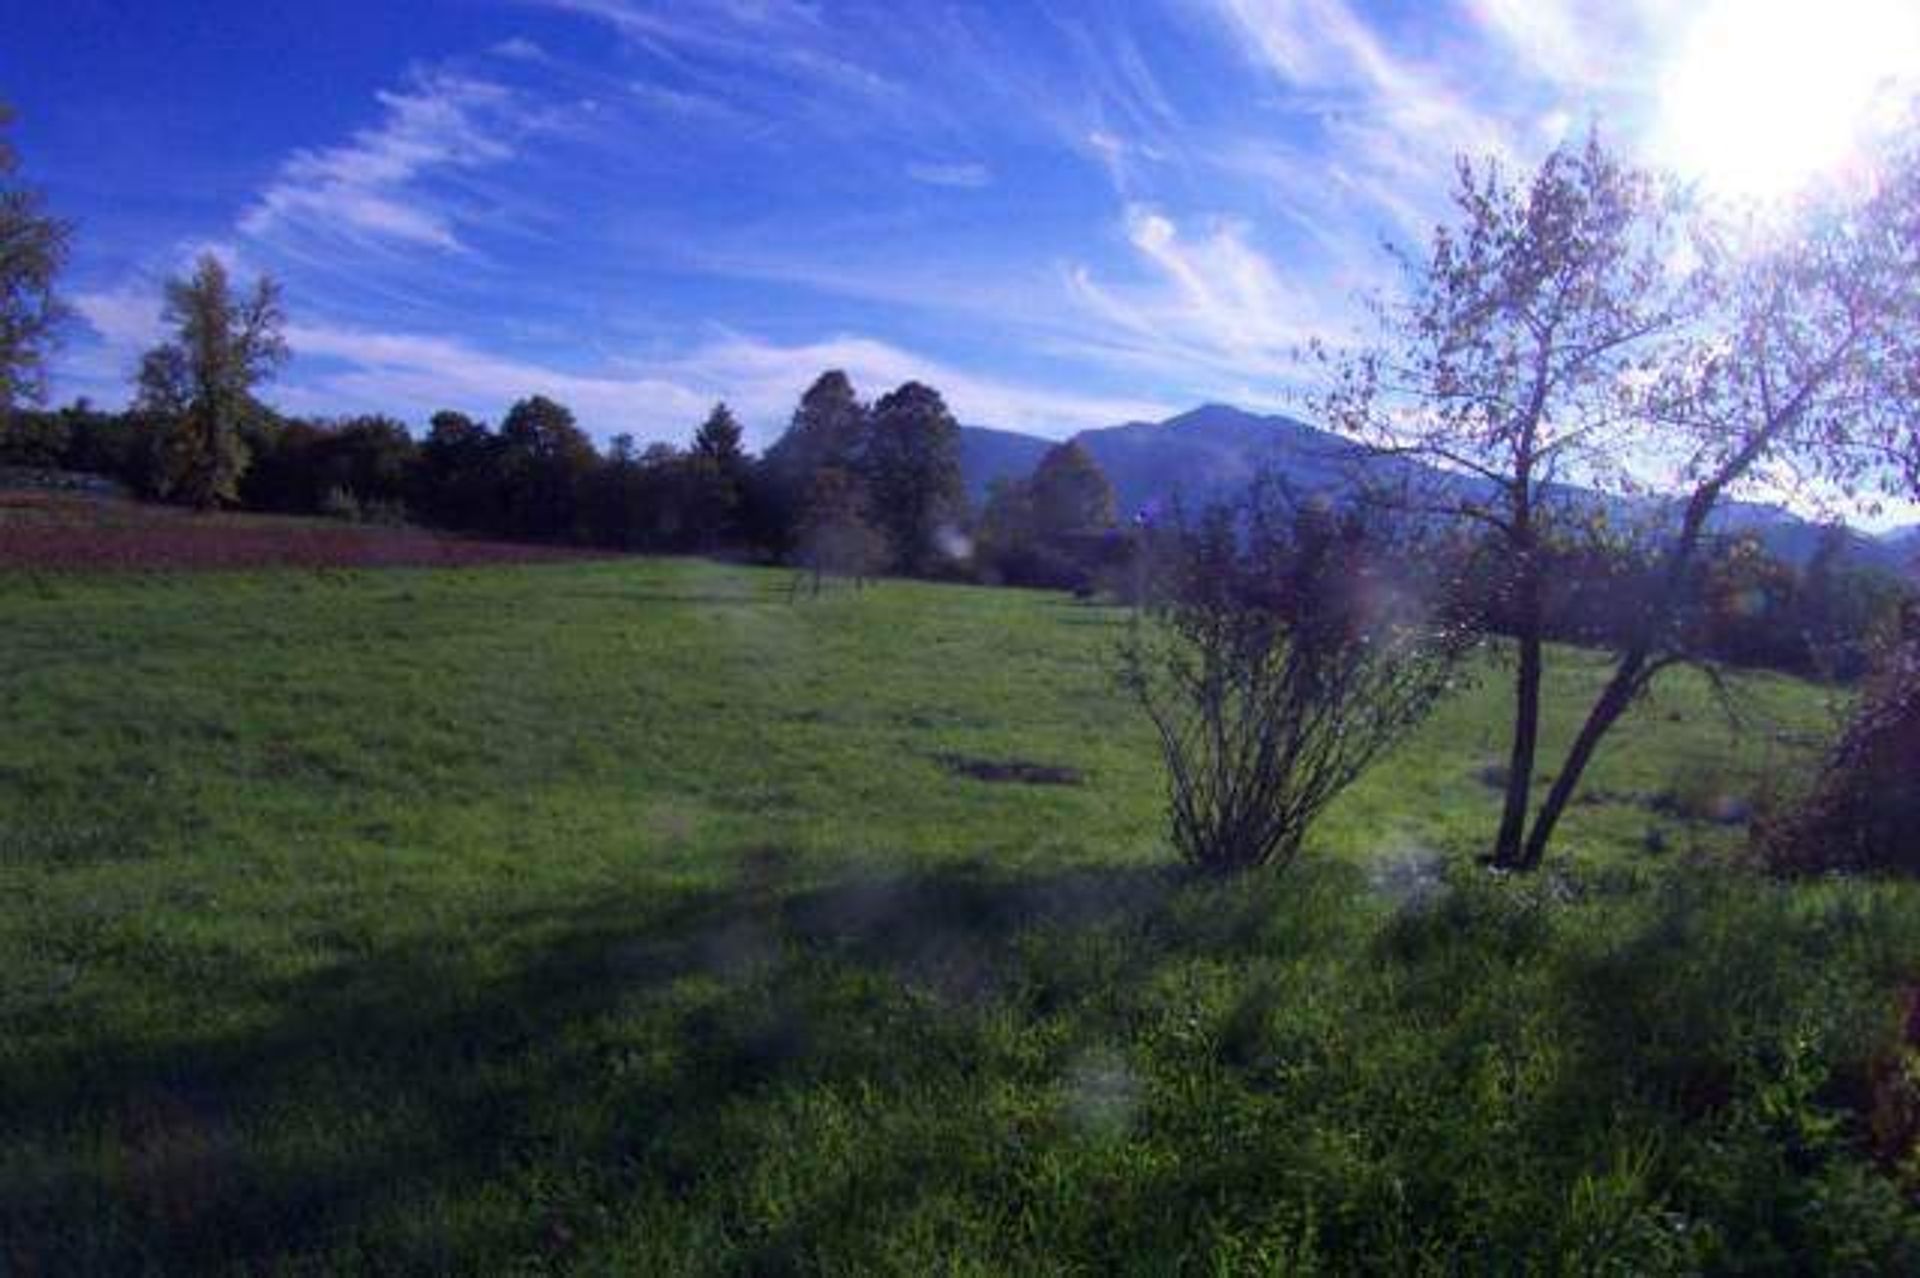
(785, 37)
(659, 397)
(126, 319)
(679, 102)
(1214, 302)
(965, 176)
(415, 374)
(368, 187)
(1312, 43)
(1579, 45)
(520, 49)
(1393, 123)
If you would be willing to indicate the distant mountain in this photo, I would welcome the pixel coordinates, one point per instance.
(1216, 449)
(1213, 450)
(987, 455)
(1210, 451)
(1794, 540)
(1903, 546)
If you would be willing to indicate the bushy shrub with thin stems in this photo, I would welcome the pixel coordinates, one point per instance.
(1283, 647)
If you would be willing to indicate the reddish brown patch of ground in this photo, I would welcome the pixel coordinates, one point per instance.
(63, 532)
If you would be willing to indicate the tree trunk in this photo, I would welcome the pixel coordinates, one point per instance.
(1607, 709)
(1507, 847)
(1529, 623)
(1630, 673)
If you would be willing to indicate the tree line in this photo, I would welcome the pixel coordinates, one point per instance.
(1580, 323)
(853, 490)
(849, 489)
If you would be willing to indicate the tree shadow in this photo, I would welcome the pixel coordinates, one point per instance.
(403, 1079)
(513, 1092)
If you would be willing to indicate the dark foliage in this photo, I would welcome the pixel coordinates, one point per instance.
(832, 537)
(362, 465)
(1736, 603)
(1864, 809)
(1055, 528)
(912, 470)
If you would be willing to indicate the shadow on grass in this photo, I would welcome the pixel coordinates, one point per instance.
(397, 1083)
(765, 1078)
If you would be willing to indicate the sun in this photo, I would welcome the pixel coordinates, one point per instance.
(1764, 96)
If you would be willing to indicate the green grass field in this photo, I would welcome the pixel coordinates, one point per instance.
(630, 918)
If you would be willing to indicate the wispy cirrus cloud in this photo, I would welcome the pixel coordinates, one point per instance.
(1207, 301)
(520, 49)
(1131, 206)
(1587, 47)
(709, 39)
(1390, 121)
(966, 176)
(370, 187)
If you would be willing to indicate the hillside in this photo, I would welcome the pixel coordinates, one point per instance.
(1210, 450)
(1216, 448)
(988, 455)
(79, 531)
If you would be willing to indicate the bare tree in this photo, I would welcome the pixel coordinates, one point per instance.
(1283, 650)
(1503, 366)
(1801, 374)
(1592, 328)
(33, 248)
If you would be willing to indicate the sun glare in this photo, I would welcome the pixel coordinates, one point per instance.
(1763, 96)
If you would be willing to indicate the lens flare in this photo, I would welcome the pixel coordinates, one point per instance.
(1764, 96)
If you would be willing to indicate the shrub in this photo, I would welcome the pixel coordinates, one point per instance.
(1865, 805)
(1282, 650)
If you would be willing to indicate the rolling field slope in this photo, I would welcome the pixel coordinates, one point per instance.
(631, 917)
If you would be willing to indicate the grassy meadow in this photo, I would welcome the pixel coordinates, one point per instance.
(632, 918)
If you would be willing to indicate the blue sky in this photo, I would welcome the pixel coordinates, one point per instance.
(1063, 215)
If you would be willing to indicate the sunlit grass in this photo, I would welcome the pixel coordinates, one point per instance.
(631, 917)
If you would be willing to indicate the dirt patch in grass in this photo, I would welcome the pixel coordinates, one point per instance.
(1011, 771)
(68, 532)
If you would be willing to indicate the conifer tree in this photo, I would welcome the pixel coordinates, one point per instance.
(913, 473)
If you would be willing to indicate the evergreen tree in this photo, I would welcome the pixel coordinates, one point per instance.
(913, 473)
(718, 440)
(715, 481)
(829, 430)
(1070, 494)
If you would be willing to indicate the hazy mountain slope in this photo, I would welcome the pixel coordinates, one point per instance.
(1902, 546)
(1216, 448)
(1213, 450)
(987, 455)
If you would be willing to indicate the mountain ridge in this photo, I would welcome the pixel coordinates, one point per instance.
(1215, 449)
